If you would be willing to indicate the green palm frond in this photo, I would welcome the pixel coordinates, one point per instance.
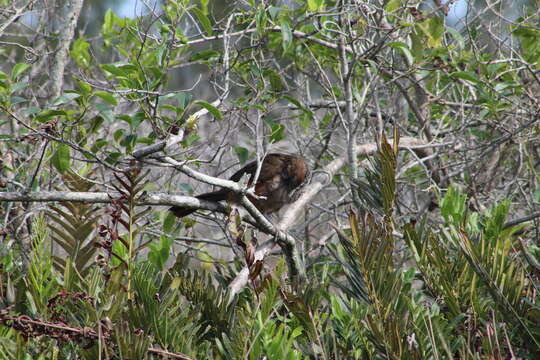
(72, 228)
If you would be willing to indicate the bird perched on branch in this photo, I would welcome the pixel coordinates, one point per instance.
(280, 176)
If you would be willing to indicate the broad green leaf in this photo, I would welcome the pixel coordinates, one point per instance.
(61, 159)
(18, 69)
(107, 97)
(315, 5)
(211, 108)
(203, 19)
(45, 115)
(286, 35)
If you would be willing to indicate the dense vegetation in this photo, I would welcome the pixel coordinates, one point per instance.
(415, 238)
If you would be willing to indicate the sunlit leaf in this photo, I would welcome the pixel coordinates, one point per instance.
(211, 108)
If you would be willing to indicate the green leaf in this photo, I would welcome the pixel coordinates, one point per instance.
(108, 22)
(529, 37)
(392, 5)
(469, 76)
(79, 52)
(84, 88)
(169, 222)
(203, 20)
(457, 37)
(306, 111)
(436, 31)
(286, 35)
(112, 158)
(66, 98)
(129, 142)
(118, 134)
(433, 29)
(206, 55)
(106, 111)
(404, 49)
(277, 130)
(113, 69)
(107, 97)
(45, 115)
(417, 46)
(161, 256)
(18, 86)
(190, 140)
(242, 153)
(204, 6)
(31, 110)
(98, 145)
(315, 5)
(537, 195)
(183, 98)
(495, 222)
(18, 69)
(274, 11)
(61, 159)
(211, 108)
(453, 207)
(275, 79)
(17, 100)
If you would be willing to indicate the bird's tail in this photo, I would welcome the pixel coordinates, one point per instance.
(181, 211)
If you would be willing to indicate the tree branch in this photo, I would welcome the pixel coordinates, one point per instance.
(66, 35)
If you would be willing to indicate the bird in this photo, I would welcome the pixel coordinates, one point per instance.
(280, 176)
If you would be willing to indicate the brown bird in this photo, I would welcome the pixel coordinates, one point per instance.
(280, 176)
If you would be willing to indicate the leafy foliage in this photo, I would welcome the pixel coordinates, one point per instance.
(418, 259)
